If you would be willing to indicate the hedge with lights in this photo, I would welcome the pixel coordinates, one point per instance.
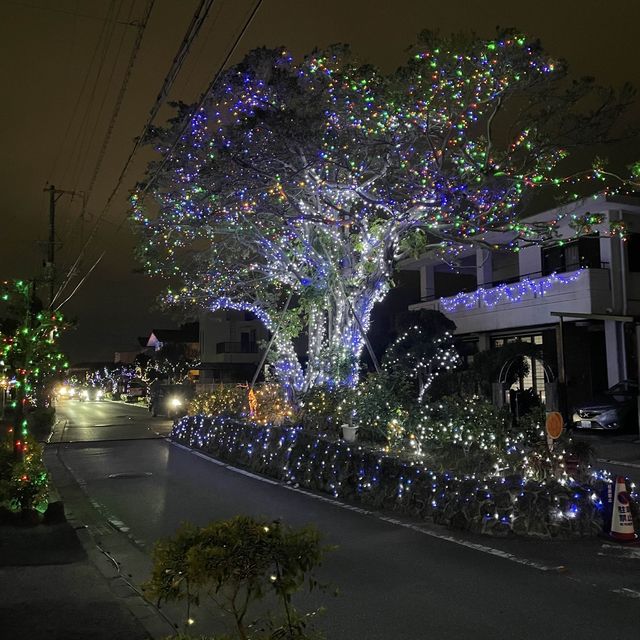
(498, 504)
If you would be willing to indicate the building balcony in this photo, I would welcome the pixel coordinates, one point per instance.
(527, 301)
(236, 347)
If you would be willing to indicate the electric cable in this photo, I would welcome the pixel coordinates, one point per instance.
(83, 138)
(192, 31)
(137, 143)
(95, 264)
(97, 120)
(205, 95)
(120, 97)
(75, 14)
(132, 58)
(72, 117)
(176, 65)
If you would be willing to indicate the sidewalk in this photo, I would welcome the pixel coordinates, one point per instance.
(56, 584)
(51, 590)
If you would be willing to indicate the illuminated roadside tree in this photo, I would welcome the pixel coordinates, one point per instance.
(28, 350)
(293, 188)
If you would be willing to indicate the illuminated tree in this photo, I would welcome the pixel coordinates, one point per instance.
(293, 188)
(28, 349)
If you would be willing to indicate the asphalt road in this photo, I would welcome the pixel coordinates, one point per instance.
(396, 579)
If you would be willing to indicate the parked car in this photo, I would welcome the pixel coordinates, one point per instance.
(136, 390)
(615, 410)
(170, 400)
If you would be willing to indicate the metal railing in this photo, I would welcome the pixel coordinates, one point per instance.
(236, 347)
(524, 276)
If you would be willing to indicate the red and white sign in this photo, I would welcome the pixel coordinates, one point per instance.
(621, 519)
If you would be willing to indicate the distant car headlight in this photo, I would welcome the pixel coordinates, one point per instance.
(72, 392)
(85, 394)
(63, 391)
(175, 402)
(99, 394)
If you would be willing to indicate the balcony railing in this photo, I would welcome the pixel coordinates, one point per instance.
(519, 278)
(236, 347)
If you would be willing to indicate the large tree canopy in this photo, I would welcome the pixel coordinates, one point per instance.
(293, 187)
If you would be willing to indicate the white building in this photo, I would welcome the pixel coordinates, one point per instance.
(583, 317)
(231, 346)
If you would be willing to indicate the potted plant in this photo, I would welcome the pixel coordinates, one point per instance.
(349, 432)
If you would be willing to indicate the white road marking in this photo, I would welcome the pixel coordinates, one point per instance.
(620, 551)
(630, 593)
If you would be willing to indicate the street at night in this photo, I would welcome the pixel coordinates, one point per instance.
(395, 579)
(320, 320)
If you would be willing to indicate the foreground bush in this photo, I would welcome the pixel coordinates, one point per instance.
(236, 564)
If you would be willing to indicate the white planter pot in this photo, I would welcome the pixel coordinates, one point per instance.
(349, 433)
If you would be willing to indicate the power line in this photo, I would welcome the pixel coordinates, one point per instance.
(201, 102)
(103, 47)
(72, 117)
(138, 141)
(93, 266)
(114, 114)
(120, 97)
(26, 5)
(196, 22)
(96, 103)
(134, 52)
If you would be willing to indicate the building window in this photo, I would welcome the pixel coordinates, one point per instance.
(633, 252)
(580, 254)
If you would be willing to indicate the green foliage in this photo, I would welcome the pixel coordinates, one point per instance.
(238, 563)
(468, 422)
(379, 405)
(466, 435)
(486, 368)
(225, 400)
(423, 350)
(317, 170)
(321, 409)
(41, 420)
(532, 425)
(23, 482)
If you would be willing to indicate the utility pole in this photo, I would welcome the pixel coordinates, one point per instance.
(50, 265)
(51, 251)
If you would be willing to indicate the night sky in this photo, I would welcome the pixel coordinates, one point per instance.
(54, 114)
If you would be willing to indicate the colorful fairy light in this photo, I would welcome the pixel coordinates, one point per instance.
(312, 179)
(29, 353)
